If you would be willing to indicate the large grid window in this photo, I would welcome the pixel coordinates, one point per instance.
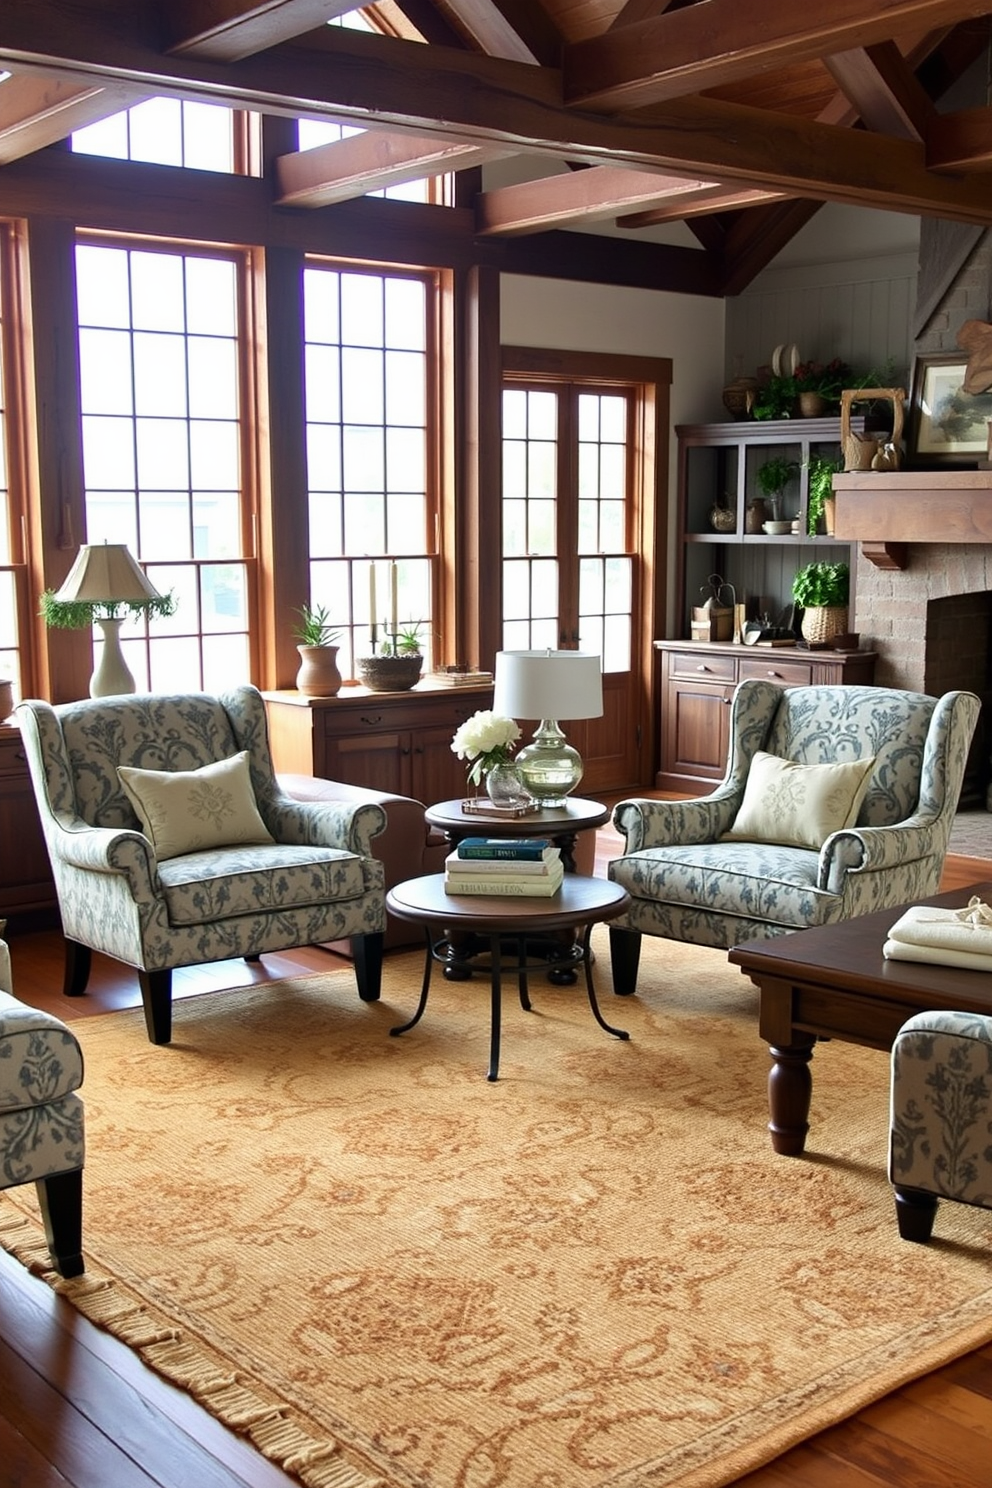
(10, 652)
(369, 401)
(162, 436)
(164, 131)
(567, 567)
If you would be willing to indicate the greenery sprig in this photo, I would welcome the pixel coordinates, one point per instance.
(314, 628)
(77, 614)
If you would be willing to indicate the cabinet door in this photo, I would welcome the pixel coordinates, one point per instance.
(438, 774)
(696, 729)
(379, 761)
(26, 881)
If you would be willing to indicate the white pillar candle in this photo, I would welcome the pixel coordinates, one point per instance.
(372, 599)
(393, 595)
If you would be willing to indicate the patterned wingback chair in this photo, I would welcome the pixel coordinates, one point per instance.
(315, 881)
(41, 1118)
(941, 1117)
(689, 881)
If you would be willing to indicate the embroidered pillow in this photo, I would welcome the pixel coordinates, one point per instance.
(185, 811)
(795, 805)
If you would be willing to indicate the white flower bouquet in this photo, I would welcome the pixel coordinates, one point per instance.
(487, 739)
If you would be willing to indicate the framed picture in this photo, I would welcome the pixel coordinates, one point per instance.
(947, 425)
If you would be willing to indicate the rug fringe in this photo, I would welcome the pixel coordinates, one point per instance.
(185, 1362)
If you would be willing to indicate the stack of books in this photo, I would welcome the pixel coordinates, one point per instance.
(528, 866)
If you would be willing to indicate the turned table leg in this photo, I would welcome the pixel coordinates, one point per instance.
(790, 1087)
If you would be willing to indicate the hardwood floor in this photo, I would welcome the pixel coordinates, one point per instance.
(77, 1408)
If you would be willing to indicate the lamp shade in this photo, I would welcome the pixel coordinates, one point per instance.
(107, 572)
(548, 684)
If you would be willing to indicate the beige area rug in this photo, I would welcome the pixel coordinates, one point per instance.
(593, 1273)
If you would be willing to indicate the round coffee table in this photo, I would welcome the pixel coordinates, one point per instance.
(506, 920)
(561, 823)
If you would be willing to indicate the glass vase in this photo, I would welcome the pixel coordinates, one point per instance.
(504, 785)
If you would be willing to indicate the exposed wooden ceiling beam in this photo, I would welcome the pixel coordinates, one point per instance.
(366, 162)
(638, 10)
(587, 195)
(722, 41)
(518, 30)
(226, 30)
(880, 85)
(36, 111)
(703, 203)
(961, 141)
(754, 238)
(360, 78)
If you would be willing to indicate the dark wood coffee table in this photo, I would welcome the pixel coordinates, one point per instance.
(833, 982)
(506, 922)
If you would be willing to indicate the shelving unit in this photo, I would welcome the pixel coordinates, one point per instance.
(718, 464)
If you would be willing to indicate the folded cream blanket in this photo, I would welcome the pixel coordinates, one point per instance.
(948, 937)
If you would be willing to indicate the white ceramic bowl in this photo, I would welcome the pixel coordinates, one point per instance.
(775, 529)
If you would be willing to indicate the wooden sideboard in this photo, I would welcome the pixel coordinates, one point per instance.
(697, 688)
(27, 889)
(390, 741)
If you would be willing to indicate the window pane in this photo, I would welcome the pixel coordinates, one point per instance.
(159, 374)
(103, 295)
(167, 483)
(372, 326)
(361, 310)
(105, 372)
(542, 421)
(108, 452)
(362, 386)
(213, 378)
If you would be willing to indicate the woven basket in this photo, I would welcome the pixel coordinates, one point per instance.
(822, 623)
(861, 449)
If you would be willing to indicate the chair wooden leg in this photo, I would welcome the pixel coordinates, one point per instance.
(915, 1214)
(77, 969)
(61, 1200)
(156, 995)
(625, 956)
(367, 951)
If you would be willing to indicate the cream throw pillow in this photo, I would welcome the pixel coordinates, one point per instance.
(799, 805)
(185, 811)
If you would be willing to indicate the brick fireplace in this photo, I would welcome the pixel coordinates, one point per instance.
(931, 620)
(931, 624)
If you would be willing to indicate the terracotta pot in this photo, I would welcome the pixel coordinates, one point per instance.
(390, 673)
(318, 675)
(812, 405)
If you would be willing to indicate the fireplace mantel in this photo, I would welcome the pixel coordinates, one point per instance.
(885, 510)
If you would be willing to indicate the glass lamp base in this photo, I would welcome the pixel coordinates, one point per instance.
(549, 767)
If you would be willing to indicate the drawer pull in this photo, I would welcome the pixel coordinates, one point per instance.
(20, 755)
(371, 718)
(702, 667)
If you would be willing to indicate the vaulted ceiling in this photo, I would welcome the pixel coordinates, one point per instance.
(736, 118)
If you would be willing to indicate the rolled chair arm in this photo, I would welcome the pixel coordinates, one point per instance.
(341, 824)
(647, 823)
(874, 850)
(109, 850)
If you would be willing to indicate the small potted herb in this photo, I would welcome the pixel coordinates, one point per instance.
(773, 477)
(398, 665)
(822, 589)
(315, 636)
(820, 504)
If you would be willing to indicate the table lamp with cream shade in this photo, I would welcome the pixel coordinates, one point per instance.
(103, 587)
(548, 685)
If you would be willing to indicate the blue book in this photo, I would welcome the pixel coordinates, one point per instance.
(526, 849)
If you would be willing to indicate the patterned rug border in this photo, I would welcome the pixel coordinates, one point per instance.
(185, 1352)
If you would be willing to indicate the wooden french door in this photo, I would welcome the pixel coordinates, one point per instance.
(571, 561)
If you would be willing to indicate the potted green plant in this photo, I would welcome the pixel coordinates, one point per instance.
(819, 386)
(820, 502)
(773, 477)
(822, 589)
(398, 665)
(775, 398)
(318, 675)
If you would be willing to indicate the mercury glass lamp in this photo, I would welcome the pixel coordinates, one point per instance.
(548, 685)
